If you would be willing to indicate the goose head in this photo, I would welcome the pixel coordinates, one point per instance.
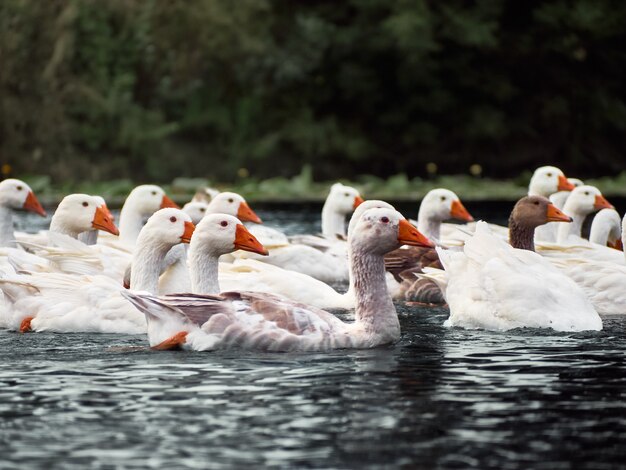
(220, 234)
(204, 194)
(168, 227)
(533, 211)
(78, 213)
(343, 199)
(442, 204)
(585, 200)
(149, 198)
(548, 180)
(235, 205)
(15, 194)
(196, 210)
(364, 206)
(382, 230)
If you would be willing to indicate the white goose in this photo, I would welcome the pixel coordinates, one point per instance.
(267, 322)
(71, 303)
(547, 233)
(141, 203)
(492, 285)
(582, 201)
(606, 229)
(324, 258)
(92, 303)
(255, 276)
(600, 272)
(15, 195)
(59, 250)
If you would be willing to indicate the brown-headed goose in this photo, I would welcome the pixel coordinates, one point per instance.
(492, 285)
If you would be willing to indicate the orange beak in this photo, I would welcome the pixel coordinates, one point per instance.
(244, 240)
(618, 244)
(458, 211)
(32, 204)
(553, 214)
(565, 185)
(108, 212)
(189, 228)
(601, 203)
(102, 221)
(245, 214)
(167, 202)
(409, 235)
(358, 200)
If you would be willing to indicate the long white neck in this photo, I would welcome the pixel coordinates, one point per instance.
(90, 237)
(428, 224)
(131, 222)
(57, 225)
(603, 231)
(559, 199)
(7, 237)
(333, 222)
(573, 228)
(375, 311)
(147, 263)
(203, 268)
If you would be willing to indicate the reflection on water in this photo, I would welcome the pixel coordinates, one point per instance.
(445, 398)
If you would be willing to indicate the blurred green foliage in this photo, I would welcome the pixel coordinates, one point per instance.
(154, 89)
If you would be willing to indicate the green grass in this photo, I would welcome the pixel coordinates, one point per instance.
(303, 188)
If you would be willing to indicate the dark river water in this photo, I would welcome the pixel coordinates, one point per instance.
(440, 398)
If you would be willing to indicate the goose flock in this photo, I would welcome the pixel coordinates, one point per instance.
(212, 276)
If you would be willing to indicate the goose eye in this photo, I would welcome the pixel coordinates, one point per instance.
(172, 219)
(384, 220)
(347, 194)
(223, 223)
(443, 198)
(536, 203)
(586, 193)
(154, 193)
(549, 175)
(19, 188)
(231, 200)
(202, 209)
(85, 204)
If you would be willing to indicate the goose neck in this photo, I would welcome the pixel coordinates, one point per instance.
(574, 227)
(57, 225)
(428, 224)
(333, 222)
(148, 259)
(7, 237)
(131, 223)
(204, 271)
(375, 311)
(521, 236)
(90, 237)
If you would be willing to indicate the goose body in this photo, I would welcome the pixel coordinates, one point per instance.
(268, 322)
(598, 270)
(491, 285)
